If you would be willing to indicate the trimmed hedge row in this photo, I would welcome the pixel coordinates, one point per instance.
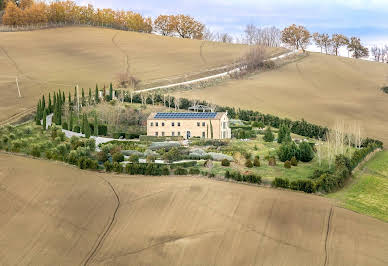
(326, 181)
(237, 176)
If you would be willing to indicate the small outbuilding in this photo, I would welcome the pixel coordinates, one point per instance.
(208, 125)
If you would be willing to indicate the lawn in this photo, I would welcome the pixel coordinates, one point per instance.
(368, 192)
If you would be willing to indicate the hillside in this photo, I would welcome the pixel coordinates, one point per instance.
(51, 59)
(318, 88)
(69, 217)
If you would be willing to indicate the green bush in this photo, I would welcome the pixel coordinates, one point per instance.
(134, 158)
(87, 163)
(284, 134)
(248, 163)
(102, 130)
(306, 153)
(118, 157)
(256, 162)
(108, 166)
(268, 135)
(117, 167)
(305, 185)
(77, 129)
(65, 126)
(281, 182)
(180, 171)
(225, 162)
(117, 135)
(294, 161)
(272, 161)
(287, 150)
(102, 156)
(174, 154)
(35, 150)
(287, 164)
(194, 171)
(91, 143)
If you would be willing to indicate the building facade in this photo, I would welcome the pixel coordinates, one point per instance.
(192, 124)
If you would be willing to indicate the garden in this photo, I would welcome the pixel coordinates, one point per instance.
(264, 149)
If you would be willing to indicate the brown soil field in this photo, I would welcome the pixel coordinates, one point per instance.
(318, 88)
(54, 214)
(46, 60)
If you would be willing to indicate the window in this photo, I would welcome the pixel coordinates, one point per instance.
(162, 124)
(172, 124)
(203, 124)
(156, 133)
(203, 134)
(179, 124)
(162, 134)
(156, 124)
(173, 133)
(179, 133)
(152, 124)
(198, 124)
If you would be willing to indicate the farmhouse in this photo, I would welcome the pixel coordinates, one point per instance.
(191, 124)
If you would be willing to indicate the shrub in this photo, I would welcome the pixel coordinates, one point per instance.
(174, 154)
(225, 162)
(16, 145)
(117, 167)
(194, 171)
(27, 131)
(91, 143)
(102, 156)
(77, 129)
(184, 164)
(65, 126)
(227, 174)
(284, 134)
(75, 142)
(150, 158)
(294, 161)
(288, 150)
(256, 162)
(118, 135)
(134, 158)
(35, 150)
(87, 163)
(287, 164)
(248, 163)
(117, 157)
(281, 182)
(102, 130)
(180, 171)
(108, 166)
(272, 161)
(268, 135)
(305, 185)
(306, 153)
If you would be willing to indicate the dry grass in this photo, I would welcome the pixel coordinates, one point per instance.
(318, 88)
(59, 217)
(47, 60)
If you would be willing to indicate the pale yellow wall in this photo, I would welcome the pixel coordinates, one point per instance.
(189, 125)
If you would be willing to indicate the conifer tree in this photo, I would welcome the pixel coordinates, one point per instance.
(50, 107)
(43, 102)
(69, 102)
(87, 127)
(71, 121)
(90, 96)
(44, 120)
(75, 96)
(111, 92)
(96, 99)
(54, 102)
(83, 97)
(95, 125)
(83, 124)
(63, 97)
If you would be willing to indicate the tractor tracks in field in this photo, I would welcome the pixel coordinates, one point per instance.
(327, 236)
(105, 232)
(122, 51)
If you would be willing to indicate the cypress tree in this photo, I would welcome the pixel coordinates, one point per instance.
(96, 100)
(83, 124)
(95, 125)
(71, 121)
(90, 96)
(43, 102)
(75, 95)
(211, 129)
(83, 97)
(69, 102)
(55, 102)
(37, 116)
(44, 119)
(50, 104)
(87, 127)
(63, 97)
(111, 92)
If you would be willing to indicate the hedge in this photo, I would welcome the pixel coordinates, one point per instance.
(102, 130)
(305, 185)
(155, 138)
(237, 176)
(281, 182)
(146, 169)
(184, 164)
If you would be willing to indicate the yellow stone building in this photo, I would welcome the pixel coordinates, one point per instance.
(191, 124)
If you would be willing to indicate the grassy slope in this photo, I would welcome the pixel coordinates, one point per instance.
(318, 88)
(59, 58)
(368, 193)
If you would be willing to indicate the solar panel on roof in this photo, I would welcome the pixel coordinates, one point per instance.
(206, 115)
